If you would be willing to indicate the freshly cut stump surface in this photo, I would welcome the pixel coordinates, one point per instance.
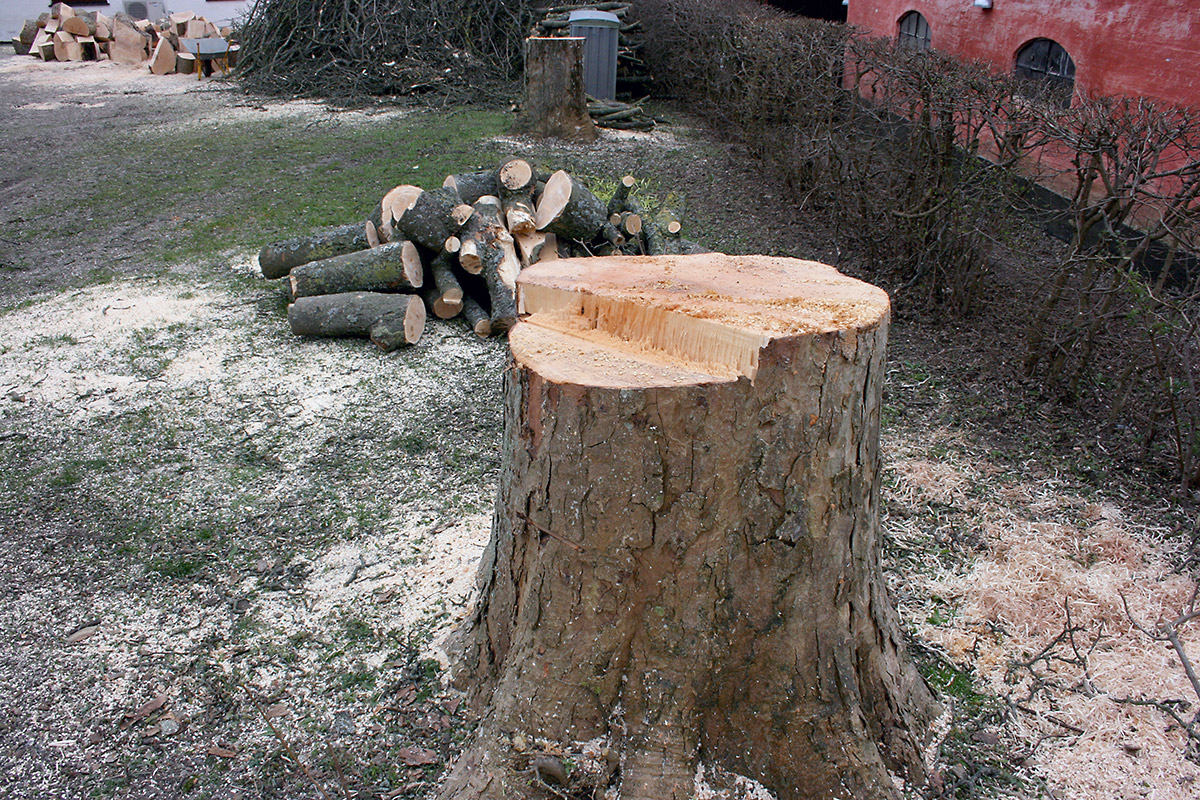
(684, 561)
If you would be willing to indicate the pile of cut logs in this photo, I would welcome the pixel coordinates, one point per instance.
(632, 77)
(456, 251)
(66, 34)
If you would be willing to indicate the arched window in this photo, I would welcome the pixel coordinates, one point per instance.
(1048, 66)
(914, 31)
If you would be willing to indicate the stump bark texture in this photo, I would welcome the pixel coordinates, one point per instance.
(555, 104)
(683, 566)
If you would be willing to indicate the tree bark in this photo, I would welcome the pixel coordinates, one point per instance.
(555, 104)
(471, 186)
(395, 266)
(388, 320)
(425, 217)
(278, 258)
(683, 566)
(568, 208)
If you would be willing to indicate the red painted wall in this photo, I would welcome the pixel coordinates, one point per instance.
(1147, 48)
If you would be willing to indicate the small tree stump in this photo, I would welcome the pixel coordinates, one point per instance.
(683, 563)
(555, 104)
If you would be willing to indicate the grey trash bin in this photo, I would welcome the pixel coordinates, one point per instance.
(599, 29)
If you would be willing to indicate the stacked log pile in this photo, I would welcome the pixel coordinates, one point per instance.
(455, 251)
(67, 34)
(621, 116)
(633, 77)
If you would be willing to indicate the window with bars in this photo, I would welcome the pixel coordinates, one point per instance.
(1048, 70)
(914, 31)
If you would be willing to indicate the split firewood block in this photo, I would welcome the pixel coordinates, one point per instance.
(40, 40)
(80, 25)
(163, 61)
(686, 535)
(278, 258)
(90, 47)
(395, 266)
(130, 45)
(66, 48)
(195, 29)
(180, 19)
(388, 320)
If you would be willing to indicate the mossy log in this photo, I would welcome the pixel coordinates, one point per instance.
(388, 320)
(425, 217)
(684, 562)
(277, 259)
(395, 266)
(569, 209)
(470, 186)
(448, 290)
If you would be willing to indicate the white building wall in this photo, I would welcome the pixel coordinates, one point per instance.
(14, 12)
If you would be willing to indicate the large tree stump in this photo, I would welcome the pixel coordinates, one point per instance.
(555, 104)
(683, 566)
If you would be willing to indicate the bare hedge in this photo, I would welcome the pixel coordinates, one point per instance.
(459, 50)
(886, 143)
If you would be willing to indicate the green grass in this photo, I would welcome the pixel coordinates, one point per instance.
(242, 184)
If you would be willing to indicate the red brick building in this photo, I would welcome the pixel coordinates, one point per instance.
(1147, 48)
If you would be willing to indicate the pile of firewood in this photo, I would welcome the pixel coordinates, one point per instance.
(621, 116)
(633, 78)
(66, 34)
(456, 251)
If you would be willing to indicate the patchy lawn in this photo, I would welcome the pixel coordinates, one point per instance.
(228, 554)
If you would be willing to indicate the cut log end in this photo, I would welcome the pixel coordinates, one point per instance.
(681, 311)
(515, 175)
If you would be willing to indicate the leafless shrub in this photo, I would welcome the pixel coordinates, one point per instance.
(922, 163)
(882, 140)
(1120, 311)
(460, 50)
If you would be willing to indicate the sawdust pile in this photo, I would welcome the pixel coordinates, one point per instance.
(1044, 553)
